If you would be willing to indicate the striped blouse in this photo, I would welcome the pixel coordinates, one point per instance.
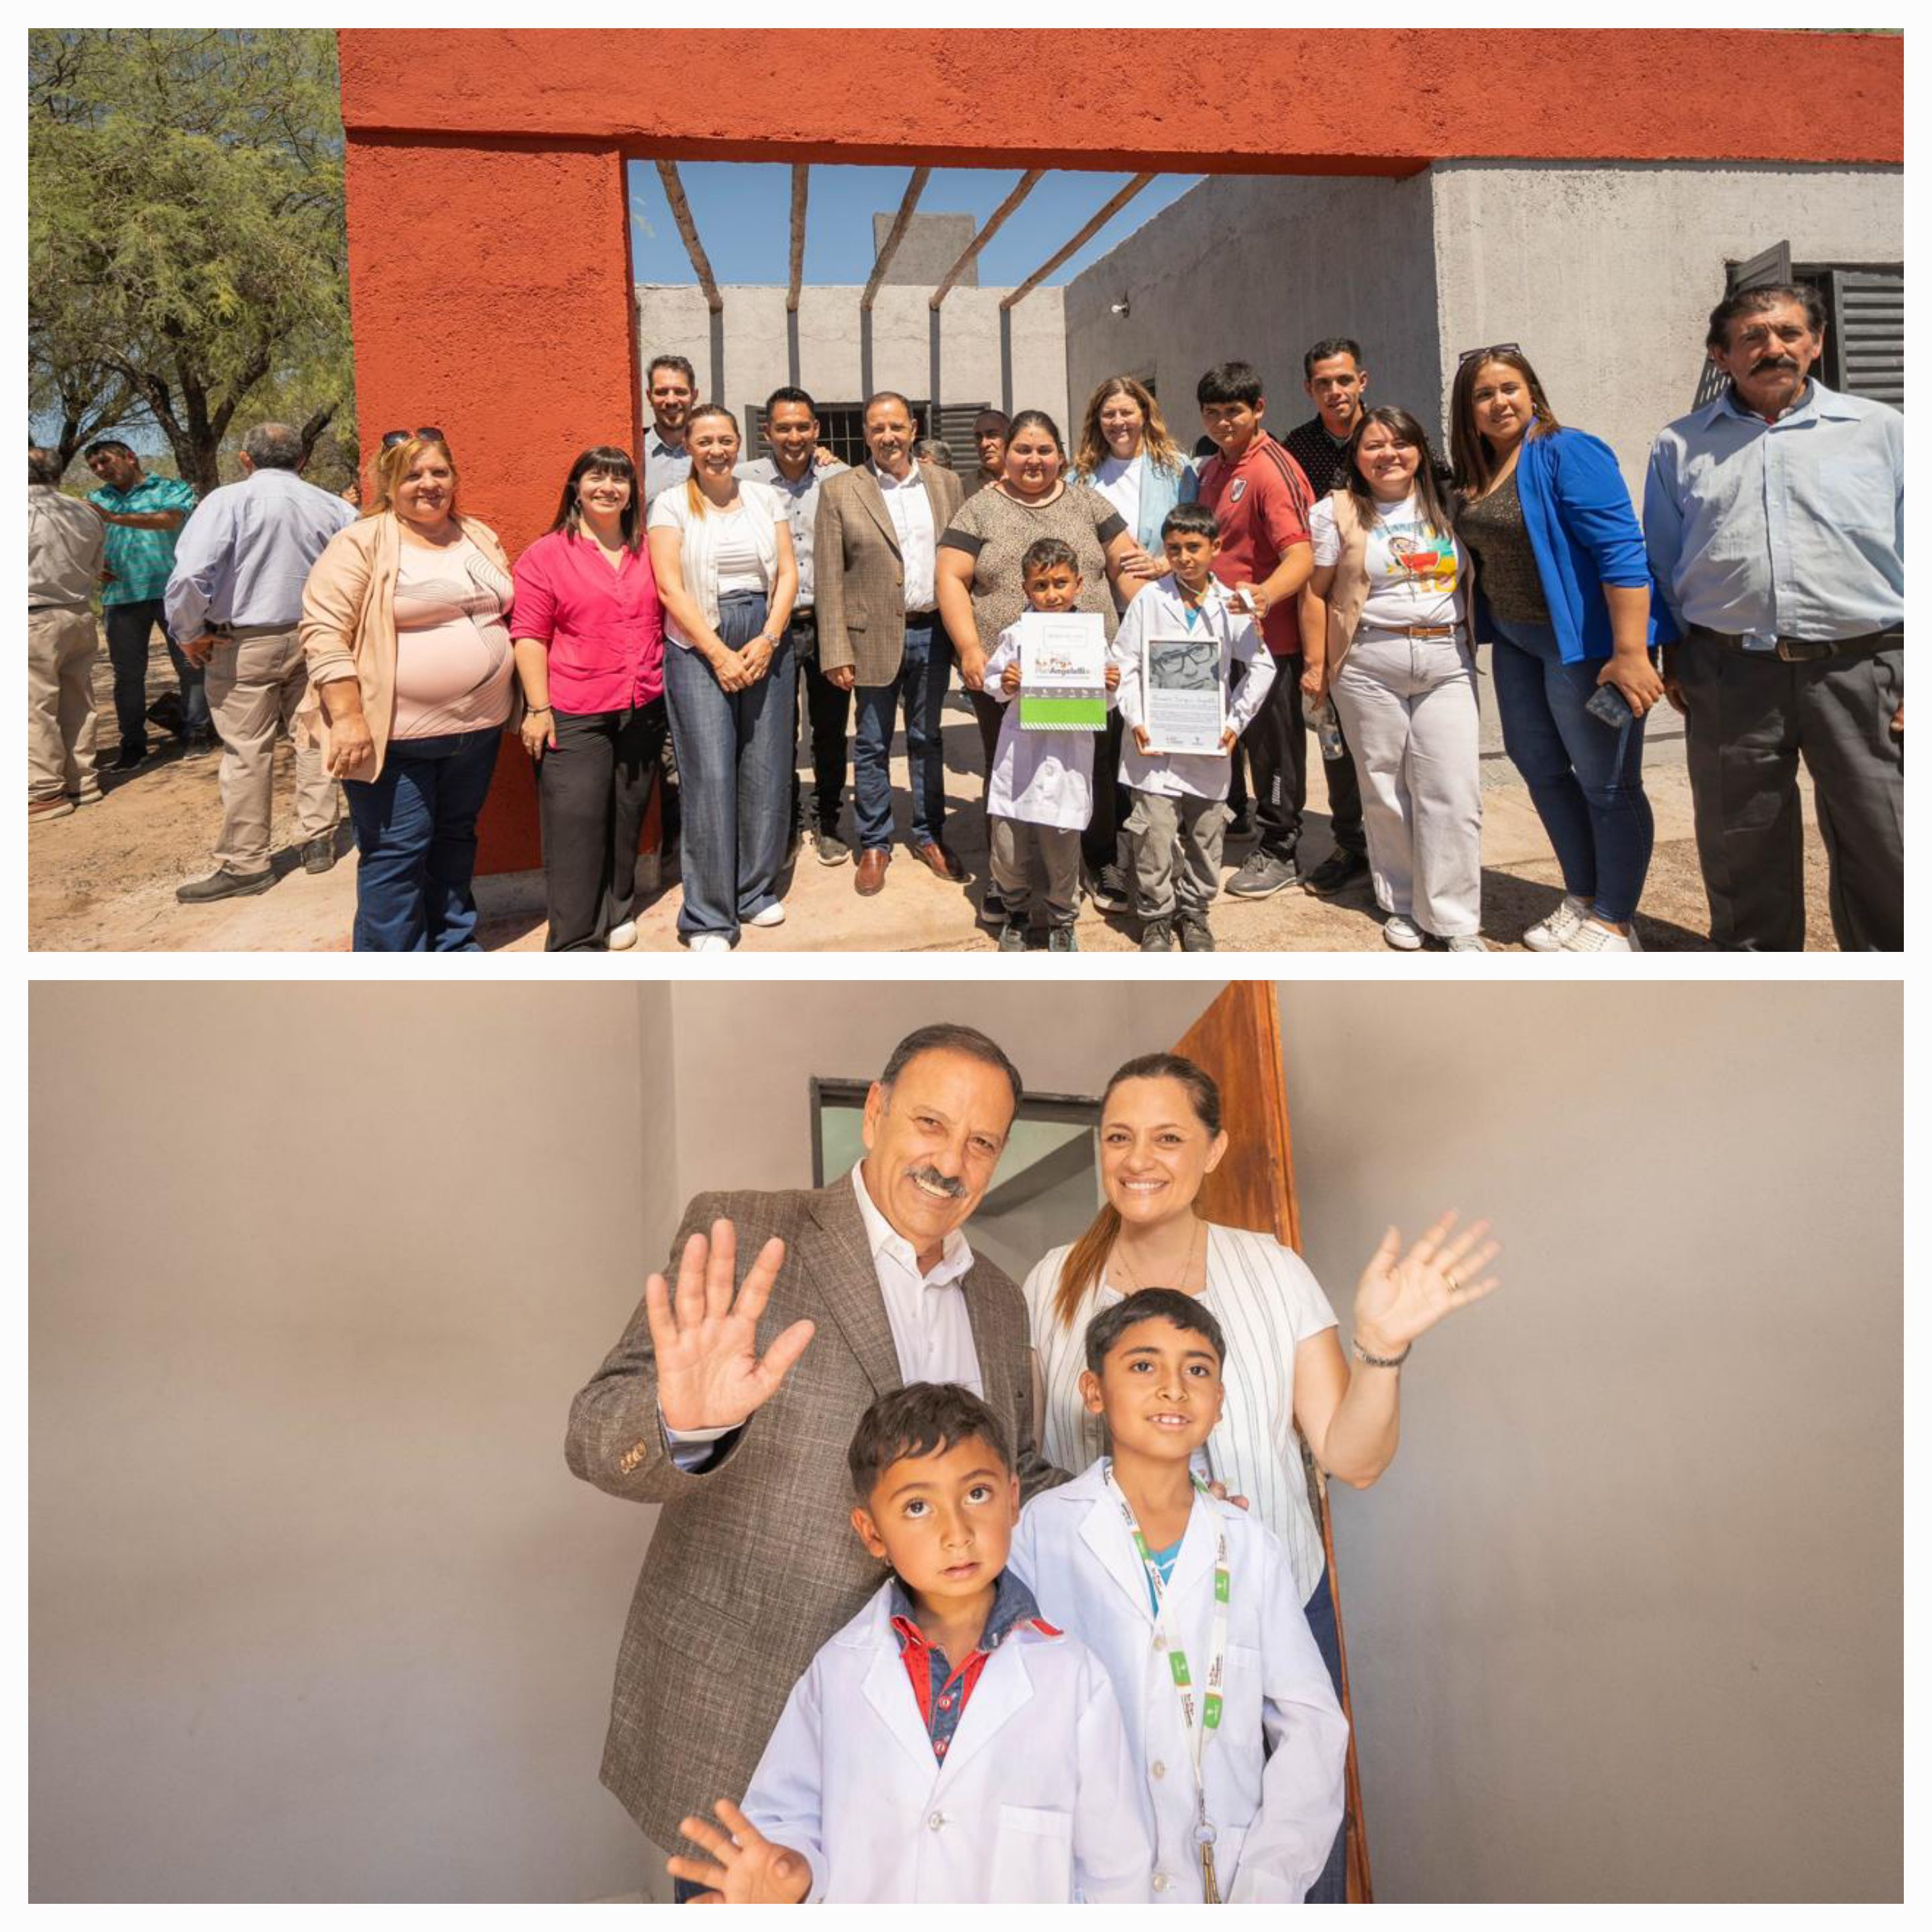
(1267, 1303)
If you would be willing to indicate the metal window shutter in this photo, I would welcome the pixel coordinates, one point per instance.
(1773, 265)
(956, 431)
(1868, 308)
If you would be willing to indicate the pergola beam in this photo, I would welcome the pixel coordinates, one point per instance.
(799, 171)
(995, 221)
(1099, 220)
(914, 189)
(680, 210)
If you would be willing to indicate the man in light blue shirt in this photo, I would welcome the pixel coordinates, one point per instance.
(1774, 518)
(234, 600)
(670, 388)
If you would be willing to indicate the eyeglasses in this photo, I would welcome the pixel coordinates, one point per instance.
(391, 437)
(1494, 349)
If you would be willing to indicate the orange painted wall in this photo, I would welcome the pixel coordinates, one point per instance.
(489, 241)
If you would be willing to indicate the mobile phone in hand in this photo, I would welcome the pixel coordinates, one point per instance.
(1610, 706)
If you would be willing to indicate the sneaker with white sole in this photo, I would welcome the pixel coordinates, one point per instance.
(1589, 937)
(1466, 942)
(771, 915)
(1548, 935)
(1404, 934)
(707, 942)
(621, 938)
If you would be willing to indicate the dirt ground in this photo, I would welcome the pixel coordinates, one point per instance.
(104, 879)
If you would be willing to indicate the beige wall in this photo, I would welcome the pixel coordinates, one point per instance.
(318, 1612)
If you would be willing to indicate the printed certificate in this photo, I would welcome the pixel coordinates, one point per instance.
(1062, 671)
(1182, 695)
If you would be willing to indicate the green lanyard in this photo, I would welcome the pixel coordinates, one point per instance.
(1200, 1717)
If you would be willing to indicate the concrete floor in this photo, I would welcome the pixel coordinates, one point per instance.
(103, 879)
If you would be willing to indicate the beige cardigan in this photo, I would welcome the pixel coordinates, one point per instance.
(349, 628)
(1348, 590)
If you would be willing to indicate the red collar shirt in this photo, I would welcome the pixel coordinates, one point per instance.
(1263, 503)
(604, 628)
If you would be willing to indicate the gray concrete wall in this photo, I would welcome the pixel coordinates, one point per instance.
(1255, 268)
(964, 355)
(1607, 275)
(931, 244)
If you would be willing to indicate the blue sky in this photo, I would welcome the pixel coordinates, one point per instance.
(743, 213)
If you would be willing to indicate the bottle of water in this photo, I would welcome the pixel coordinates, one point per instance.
(1328, 730)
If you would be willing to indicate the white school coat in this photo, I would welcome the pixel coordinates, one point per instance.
(1276, 1816)
(1040, 777)
(1037, 1801)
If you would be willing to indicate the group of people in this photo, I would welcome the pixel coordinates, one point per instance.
(964, 1591)
(696, 609)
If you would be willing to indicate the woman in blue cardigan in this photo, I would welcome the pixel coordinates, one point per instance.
(1564, 594)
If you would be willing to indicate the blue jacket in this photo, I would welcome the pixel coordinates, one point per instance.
(1585, 535)
(1161, 489)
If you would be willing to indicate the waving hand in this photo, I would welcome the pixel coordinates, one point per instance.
(1399, 1299)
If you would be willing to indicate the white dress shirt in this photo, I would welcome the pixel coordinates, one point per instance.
(910, 509)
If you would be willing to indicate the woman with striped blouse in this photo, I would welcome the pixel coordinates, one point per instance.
(1160, 1136)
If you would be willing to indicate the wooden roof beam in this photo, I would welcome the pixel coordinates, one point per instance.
(799, 171)
(995, 221)
(1086, 235)
(680, 210)
(914, 189)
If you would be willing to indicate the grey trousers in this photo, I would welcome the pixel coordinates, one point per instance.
(1054, 850)
(1176, 844)
(1750, 716)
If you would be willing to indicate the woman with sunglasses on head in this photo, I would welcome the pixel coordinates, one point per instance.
(411, 682)
(722, 548)
(1385, 632)
(589, 644)
(1567, 599)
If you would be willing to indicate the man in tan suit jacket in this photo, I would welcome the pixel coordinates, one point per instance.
(734, 1415)
(879, 633)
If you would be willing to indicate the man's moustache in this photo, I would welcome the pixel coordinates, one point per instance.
(928, 1177)
(1774, 362)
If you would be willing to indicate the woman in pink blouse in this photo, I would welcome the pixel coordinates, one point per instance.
(589, 644)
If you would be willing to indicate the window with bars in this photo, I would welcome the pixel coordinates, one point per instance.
(841, 428)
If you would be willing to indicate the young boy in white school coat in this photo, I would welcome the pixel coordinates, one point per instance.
(1039, 793)
(1180, 797)
(898, 1775)
(1192, 1607)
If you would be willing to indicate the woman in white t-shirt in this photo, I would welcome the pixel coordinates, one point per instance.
(721, 552)
(1160, 1136)
(1384, 630)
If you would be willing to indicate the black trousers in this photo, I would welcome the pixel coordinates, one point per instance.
(826, 713)
(1099, 843)
(1749, 718)
(1276, 743)
(129, 626)
(1345, 796)
(592, 792)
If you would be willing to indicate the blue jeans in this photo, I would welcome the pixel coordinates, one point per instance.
(1332, 1887)
(415, 829)
(128, 627)
(922, 680)
(734, 767)
(1585, 777)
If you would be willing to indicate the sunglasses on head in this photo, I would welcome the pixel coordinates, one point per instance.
(1494, 349)
(391, 437)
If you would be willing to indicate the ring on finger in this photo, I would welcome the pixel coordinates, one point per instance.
(1449, 1276)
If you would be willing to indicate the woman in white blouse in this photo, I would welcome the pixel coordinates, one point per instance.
(722, 551)
(1160, 1136)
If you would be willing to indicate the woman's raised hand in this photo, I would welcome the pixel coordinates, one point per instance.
(746, 1867)
(1399, 1299)
(710, 1375)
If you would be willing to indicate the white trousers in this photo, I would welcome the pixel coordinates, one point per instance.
(1408, 706)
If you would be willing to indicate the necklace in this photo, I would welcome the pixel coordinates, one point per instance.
(1195, 1254)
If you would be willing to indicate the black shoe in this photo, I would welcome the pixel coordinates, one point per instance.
(1013, 936)
(132, 756)
(1062, 939)
(1157, 935)
(1265, 873)
(1341, 868)
(319, 854)
(1240, 827)
(992, 907)
(198, 744)
(222, 884)
(831, 850)
(1108, 890)
(1195, 935)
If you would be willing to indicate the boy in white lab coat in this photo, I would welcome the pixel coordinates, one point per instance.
(1039, 793)
(897, 1775)
(1192, 1607)
(1179, 812)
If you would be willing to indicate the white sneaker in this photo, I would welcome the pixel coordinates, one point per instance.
(1404, 934)
(1549, 935)
(707, 942)
(1466, 942)
(772, 915)
(1589, 937)
(621, 938)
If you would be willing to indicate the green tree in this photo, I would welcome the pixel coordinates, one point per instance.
(186, 243)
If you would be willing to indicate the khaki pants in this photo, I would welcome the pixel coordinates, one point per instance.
(1019, 851)
(254, 684)
(1161, 830)
(61, 646)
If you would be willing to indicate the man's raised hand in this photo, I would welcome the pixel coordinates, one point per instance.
(746, 1867)
(710, 1375)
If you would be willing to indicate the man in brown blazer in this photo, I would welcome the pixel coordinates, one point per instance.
(879, 633)
(734, 1415)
